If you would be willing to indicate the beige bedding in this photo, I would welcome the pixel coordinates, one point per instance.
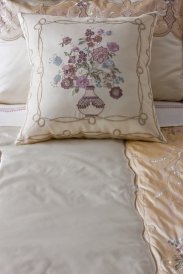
(67, 207)
(159, 178)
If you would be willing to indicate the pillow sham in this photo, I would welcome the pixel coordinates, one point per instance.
(167, 49)
(167, 80)
(90, 78)
(14, 65)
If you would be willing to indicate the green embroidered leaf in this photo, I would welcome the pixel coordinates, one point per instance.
(81, 42)
(116, 69)
(66, 53)
(76, 89)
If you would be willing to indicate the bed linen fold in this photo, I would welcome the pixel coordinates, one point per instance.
(168, 113)
(159, 180)
(67, 207)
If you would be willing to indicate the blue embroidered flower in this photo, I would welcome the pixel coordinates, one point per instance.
(57, 79)
(101, 32)
(98, 83)
(118, 79)
(56, 60)
(108, 63)
(109, 32)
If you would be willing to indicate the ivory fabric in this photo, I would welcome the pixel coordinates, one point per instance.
(14, 65)
(159, 179)
(12, 115)
(63, 212)
(90, 79)
(15, 72)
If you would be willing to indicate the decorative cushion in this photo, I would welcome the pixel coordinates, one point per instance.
(90, 78)
(167, 48)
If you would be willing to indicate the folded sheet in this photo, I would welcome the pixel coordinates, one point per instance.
(68, 207)
(159, 178)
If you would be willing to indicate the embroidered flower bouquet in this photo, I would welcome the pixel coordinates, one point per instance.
(89, 64)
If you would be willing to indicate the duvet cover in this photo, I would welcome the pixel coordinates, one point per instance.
(90, 206)
(67, 207)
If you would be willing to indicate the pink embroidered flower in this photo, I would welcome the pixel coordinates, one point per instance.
(67, 40)
(69, 71)
(97, 39)
(116, 92)
(82, 4)
(109, 85)
(91, 44)
(88, 39)
(72, 59)
(82, 54)
(113, 46)
(75, 49)
(82, 82)
(89, 32)
(67, 83)
(100, 54)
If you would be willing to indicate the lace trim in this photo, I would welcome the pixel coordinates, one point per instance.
(170, 21)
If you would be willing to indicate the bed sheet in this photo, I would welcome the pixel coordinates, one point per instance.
(159, 180)
(67, 207)
(168, 113)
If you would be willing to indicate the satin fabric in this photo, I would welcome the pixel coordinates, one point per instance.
(159, 180)
(67, 207)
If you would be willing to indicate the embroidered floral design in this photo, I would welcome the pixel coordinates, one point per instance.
(66, 41)
(89, 64)
(178, 258)
(67, 83)
(100, 54)
(116, 92)
(56, 60)
(113, 46)
(82, 82)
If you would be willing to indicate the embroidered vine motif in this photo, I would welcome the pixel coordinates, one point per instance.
(178, 258)
(89, 64)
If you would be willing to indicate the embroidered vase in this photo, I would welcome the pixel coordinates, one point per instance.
(90, 104)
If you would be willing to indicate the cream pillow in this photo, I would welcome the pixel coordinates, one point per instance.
(167, 80)
(15, 72)
(14, 63)
(90, 78)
